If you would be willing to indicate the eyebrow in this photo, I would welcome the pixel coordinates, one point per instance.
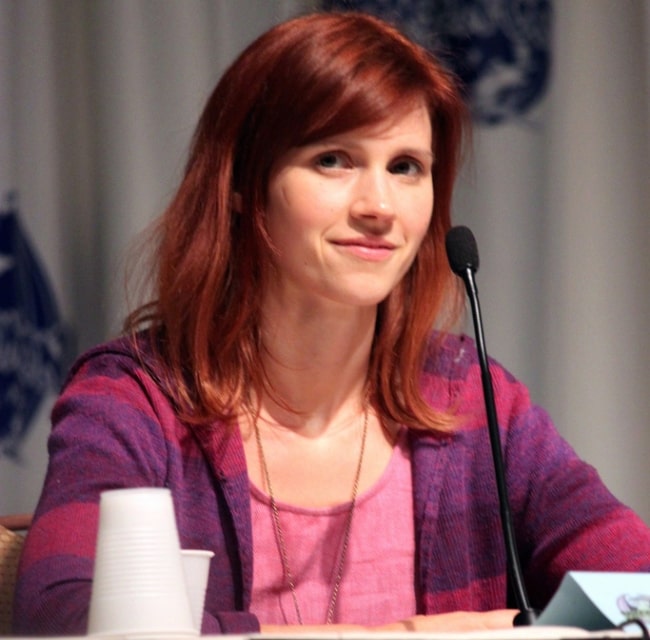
(338, 141)
(417, 152)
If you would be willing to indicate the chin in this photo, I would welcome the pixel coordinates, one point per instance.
(356, 299)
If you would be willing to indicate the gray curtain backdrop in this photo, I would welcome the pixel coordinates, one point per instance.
(99, 100)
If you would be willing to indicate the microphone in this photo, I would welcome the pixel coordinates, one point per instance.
(462, 254)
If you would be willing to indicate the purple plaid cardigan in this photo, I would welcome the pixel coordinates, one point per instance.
(114, 427)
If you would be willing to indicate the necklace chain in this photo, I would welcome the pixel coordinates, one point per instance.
(346, 534)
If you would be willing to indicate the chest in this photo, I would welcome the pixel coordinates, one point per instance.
(318, 472)
(355, 562)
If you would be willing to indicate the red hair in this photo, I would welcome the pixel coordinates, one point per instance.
(303, 80)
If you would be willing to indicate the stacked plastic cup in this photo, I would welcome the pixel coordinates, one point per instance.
(139, 586)
(196, 566)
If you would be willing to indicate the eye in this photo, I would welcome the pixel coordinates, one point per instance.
(407, 167)
(332, 160)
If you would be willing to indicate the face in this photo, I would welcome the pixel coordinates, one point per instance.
(347, 214)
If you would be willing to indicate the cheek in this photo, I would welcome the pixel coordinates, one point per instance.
(282, 214)
(420, 219)
(300, 204)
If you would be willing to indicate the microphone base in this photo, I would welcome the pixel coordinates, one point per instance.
(525, 618)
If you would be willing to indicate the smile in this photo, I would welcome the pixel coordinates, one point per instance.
(366, 248)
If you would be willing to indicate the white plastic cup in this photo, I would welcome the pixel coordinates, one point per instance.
(139, 583)
(196, 566)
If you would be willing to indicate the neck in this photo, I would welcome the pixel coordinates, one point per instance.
(317, 360)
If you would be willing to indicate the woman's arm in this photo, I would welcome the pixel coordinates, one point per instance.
(458, 621)
(108, 432)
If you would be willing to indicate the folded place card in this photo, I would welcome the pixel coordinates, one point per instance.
(597, 601)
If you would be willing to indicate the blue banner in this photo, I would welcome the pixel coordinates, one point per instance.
(499, 49)
(31, 334)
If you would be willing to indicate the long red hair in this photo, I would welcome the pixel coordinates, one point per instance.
(303, 80)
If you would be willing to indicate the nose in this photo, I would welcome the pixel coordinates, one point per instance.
(373, 202)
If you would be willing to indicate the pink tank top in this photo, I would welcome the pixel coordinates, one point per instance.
(378, 580)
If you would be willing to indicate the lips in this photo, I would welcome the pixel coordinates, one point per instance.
(374, 249)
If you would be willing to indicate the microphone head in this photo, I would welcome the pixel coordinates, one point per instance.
(462, 251)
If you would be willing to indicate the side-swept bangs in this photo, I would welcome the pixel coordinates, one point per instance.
(351, 71)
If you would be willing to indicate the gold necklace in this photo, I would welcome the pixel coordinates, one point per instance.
(346, 534)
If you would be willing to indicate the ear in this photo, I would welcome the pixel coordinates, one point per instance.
(236, 202)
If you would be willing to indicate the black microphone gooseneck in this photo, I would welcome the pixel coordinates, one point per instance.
(462, 253)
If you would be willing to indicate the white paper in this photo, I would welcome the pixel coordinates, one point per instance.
(596, 601)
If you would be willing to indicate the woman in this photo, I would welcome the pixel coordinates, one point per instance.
(285, 383)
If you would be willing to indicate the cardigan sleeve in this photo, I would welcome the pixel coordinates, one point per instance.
(106, 434)
(566, 518)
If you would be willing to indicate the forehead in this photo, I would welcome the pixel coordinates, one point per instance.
(412, 121)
